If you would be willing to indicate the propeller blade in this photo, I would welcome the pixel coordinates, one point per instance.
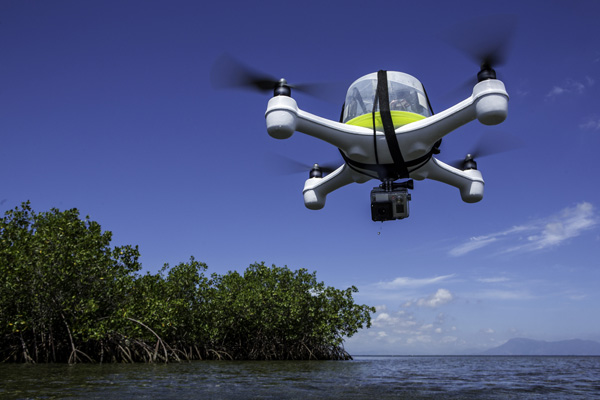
(289, 165)
(229, 73)
(495, 143)
(486, 40)
(489, 144)
(332, 92)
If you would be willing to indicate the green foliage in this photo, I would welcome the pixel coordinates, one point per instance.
(59, 276)
(277, 313)
(67, 296)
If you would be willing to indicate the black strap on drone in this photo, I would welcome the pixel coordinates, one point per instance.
(382, 96)
(387, 170)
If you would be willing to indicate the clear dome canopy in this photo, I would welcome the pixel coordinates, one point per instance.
(408, 101)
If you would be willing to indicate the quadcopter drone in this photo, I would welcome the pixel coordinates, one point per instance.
(387, 131)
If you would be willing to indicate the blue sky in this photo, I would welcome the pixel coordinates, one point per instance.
(107, 106)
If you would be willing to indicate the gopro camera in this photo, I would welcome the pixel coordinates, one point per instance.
(390, 200)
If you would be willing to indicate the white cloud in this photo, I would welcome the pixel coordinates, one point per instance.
(478, 242)
(449, 339)
(381, 317)
(419, 339)
(493, 280)
(569, 223)
(504, 295)
(399, 322)
(571, 86)
(381, 307)
(405, 332)
(556, 90)
(590, 81)
(537, 235)
(591, 124)
(474, 243)
(577, 297)
(404, 282)
(439, 298)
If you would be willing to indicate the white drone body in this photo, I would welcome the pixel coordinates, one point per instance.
(363, 143)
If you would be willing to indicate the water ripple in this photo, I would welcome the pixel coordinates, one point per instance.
(365, 377)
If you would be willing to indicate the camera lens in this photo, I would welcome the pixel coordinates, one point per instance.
(381, 211)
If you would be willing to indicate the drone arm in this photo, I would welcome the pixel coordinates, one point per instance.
(316, 189)
(469, 182)
(488, 104)
(283, 117)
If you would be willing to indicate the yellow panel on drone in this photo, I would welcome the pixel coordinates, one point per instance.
(399, 118)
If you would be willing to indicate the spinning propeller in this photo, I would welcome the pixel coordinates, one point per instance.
(485, 40)
(488, 145)
(291, 166)
(230, 73)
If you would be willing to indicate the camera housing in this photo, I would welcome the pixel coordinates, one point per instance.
(390, 201)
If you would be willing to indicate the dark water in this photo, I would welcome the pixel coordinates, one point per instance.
(364, 378)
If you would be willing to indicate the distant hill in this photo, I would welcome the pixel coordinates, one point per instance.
(529, 347)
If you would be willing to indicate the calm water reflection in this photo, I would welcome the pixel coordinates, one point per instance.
(365, 377)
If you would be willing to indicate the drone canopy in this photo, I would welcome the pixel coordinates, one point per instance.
(408, 101)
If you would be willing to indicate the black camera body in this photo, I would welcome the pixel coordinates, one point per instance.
(390, 201)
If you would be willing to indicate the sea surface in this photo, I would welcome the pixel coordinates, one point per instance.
(376, 378)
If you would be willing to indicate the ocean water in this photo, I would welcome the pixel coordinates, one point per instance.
(446, 377)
